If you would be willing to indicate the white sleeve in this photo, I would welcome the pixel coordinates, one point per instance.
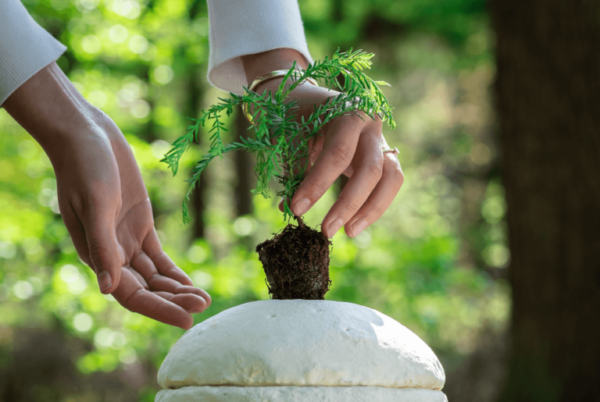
(25, 47)
(240, 27)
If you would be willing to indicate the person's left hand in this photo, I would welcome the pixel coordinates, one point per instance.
(103, 200)
(105, 206)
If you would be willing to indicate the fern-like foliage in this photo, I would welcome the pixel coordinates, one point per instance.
(280, 140)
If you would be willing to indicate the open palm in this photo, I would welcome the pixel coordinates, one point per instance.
(106, 209)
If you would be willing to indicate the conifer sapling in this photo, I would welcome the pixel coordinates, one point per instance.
(296, 261)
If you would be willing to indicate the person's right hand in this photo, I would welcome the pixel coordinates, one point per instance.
(350, 146)
(103, 200)
(346, 145)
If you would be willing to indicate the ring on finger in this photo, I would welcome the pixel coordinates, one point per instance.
(395, 151)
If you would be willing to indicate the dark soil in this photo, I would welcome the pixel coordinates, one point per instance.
(296, 262)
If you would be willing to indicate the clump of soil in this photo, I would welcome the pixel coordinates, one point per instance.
(296, 262)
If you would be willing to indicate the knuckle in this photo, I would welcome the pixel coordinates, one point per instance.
(340, 155)
(320, 187)
(97, 252)
(130, 303)
(157, 255)
(349, 204)
(153, 277)
(374, 170)
(377, 125)
(377, 211)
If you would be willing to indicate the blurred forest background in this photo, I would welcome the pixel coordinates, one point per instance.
(436, 261)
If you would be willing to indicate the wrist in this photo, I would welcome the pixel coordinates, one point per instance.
(50, 108)
(259, 64)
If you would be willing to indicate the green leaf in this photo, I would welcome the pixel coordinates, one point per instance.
(281, 139)
(382, 83)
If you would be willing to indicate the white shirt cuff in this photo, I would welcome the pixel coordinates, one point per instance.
(25, 47)
(241, 27)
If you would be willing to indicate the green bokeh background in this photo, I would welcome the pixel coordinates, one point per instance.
(435, 261)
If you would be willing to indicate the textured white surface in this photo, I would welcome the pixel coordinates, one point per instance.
(301, 343)
(299, 394)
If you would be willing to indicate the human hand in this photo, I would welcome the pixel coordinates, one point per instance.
(346, 145)
(103, 200)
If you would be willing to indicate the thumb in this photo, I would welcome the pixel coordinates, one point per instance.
(106, 255)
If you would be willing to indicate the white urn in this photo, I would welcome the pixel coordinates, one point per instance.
(300, 351)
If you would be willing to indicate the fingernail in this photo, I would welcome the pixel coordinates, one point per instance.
(301, 206)
(104, 281)
(359, 227)
(333, 227)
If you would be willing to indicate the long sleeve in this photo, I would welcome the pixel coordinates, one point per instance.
(25, 47)
(240, 27)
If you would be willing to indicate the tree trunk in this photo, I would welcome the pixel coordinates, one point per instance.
(548, 102)
(194, 99)
(198, 197)
(244, 169)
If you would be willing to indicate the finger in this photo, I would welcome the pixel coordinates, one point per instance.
(139, 277)
(144, 270)
(162, 261)
(143, 265)
(106, 255)
(339, 147)
(164, 284)
(158, 282)
(75, 228)
(131, 295)
(189, 302)
(315, 146)
(380, 199)
(368, 167)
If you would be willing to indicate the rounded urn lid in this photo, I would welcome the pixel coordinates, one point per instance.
(309, 343)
